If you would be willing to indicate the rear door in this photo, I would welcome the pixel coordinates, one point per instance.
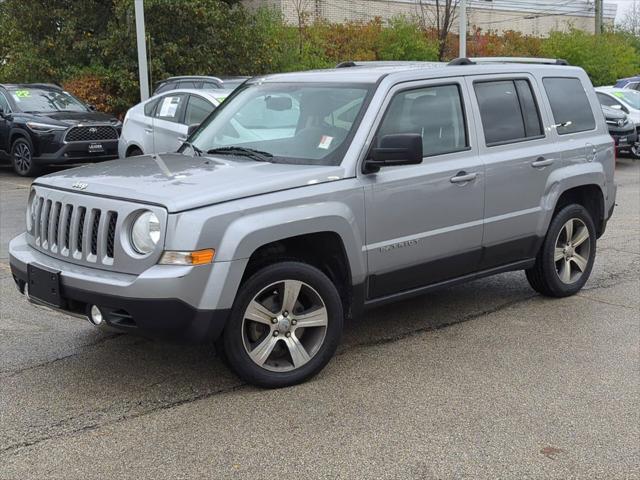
(168, 123)
(519, 155)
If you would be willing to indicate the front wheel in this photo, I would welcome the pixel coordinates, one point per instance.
(566, 258)
(22, 158)
(285, 325)
(635, 151)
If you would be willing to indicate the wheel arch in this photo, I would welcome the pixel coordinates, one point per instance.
(591, 197)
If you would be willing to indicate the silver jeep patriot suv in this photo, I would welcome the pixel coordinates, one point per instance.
(308, 197)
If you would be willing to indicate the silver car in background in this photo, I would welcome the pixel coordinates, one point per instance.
(161, 124)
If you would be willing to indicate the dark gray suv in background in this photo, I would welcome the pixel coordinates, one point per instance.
(308, 197)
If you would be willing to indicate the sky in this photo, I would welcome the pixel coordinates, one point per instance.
(623, 5)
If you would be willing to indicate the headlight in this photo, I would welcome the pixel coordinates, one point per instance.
(44, 127)
(145, 233)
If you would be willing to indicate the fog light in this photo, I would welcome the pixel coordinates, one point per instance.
(95, 315)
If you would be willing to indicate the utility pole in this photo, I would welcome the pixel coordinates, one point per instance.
(462, 15)
(143, 71)
(598, 15)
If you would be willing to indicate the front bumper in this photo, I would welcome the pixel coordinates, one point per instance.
(625, 139)
(76, 152)
(141, 304)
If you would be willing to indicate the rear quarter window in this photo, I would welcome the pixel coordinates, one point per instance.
(570, 105)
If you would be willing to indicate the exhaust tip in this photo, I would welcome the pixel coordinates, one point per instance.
(95, 315)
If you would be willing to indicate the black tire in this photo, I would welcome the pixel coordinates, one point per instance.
(262, 282)
(545, 277)
(134, 152)
(22, 158)
(635, 151)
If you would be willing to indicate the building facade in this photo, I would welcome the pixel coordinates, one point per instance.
(527, 16)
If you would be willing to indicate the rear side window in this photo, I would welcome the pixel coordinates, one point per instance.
(508, 110)
(170, 107)
(570, 106)
(187, 84)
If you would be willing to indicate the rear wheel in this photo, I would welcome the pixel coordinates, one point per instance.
(566, 258)
(285, 325)
(22, 158)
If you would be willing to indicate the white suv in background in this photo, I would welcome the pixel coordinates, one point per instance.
(161, 124)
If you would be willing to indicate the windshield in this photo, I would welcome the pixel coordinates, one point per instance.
(630, 97)
(46, 101)
(286, 122)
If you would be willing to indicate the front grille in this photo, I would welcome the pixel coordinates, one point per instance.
(88, 134)
(75, 231)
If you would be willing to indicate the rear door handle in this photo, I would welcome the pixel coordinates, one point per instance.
(148, 130)
(542, 162)
(463, 177)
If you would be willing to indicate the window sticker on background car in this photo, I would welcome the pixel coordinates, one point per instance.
(18, 94)
(325, 142)
(618, 94)
(169, 106)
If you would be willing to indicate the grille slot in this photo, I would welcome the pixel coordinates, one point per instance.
(82, 213)
(56, 225)
(111, 233)
(88, 134)
(45, 223)
(67, 226)
(94, 232)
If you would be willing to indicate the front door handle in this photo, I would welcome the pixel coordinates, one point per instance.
(463, 177)
(148, 130)
(542, 162)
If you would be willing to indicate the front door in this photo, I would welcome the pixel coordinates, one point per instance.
(424, 222)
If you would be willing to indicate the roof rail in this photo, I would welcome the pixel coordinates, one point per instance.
(346, 64)
(530, 60)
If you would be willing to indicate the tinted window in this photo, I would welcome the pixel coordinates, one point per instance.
(607, 101)
(165, 87)
(4, 103)
(186, 84)
(209, 85)
(435, 113)
(508, 110)
(197, 110)
(170, 107)
(570, 105)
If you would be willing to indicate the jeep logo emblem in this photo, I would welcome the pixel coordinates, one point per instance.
(80, 186)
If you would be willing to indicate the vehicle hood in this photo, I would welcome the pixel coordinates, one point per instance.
(181, 182)
(75, 118)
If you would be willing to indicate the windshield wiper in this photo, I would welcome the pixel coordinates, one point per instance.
(196, 150)
(251, 153)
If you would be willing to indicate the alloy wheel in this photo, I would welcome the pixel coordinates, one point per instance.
(572, 251)
(22, 158)
(284, 326)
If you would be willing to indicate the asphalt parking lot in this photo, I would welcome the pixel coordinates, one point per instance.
(484, 380)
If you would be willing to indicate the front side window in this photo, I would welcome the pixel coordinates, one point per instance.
(508, 110)
(41, 100)
(197, 110)
(4, 103)
(435, 113)
(301, 123)
(570, 105)
(170, 108)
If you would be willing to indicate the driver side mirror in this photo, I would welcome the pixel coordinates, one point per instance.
(394, 150)
(92, 107)
(192, 128)
(2, 112)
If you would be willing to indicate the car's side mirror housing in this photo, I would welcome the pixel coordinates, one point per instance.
(192, 128)
(394, 150)
(2, 112)
(92, 107)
